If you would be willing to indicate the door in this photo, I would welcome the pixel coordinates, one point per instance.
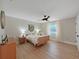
(77, 32)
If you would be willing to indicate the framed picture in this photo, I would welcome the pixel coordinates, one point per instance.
(30, 28)
(2, 21)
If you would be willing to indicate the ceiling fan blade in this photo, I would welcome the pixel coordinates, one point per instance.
(45, 18)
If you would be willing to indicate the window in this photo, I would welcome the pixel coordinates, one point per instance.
(52, 29)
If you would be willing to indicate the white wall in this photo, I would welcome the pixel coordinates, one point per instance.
(0, 5)
(43, 28)
(67, 30)
(0, 10)
(0, 22)
(52, 36)
(15, 25)
(77, 31)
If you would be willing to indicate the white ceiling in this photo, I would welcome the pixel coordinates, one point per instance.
(34, 10)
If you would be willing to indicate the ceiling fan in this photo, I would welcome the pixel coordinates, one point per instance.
(45, 18)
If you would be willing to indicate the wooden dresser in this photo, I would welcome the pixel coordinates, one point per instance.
(8, 51)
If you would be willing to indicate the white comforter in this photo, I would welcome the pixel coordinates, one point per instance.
(34, 38)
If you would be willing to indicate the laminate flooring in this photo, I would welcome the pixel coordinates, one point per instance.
(51, 50)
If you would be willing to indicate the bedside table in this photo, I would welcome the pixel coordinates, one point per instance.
(22, 40)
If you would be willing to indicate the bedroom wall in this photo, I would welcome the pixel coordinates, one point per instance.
(14, 26)
(1, 30)
(0, 24)
(43, 28)
(0, 5)
(53, 36)
(67, 30)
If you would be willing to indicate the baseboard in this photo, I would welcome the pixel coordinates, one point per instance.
(71, 43)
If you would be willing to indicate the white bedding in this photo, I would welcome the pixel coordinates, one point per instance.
(34, 38)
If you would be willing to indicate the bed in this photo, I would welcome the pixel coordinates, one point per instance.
(38, 40)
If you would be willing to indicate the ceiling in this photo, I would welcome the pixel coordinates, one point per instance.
(34, 10)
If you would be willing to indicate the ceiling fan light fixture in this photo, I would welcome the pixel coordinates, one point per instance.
(46, 18)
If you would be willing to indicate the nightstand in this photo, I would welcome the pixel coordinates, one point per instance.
(22, 40)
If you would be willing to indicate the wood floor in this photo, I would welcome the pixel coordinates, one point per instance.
(51, 50)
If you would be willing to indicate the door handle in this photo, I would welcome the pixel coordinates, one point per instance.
(77, 35)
